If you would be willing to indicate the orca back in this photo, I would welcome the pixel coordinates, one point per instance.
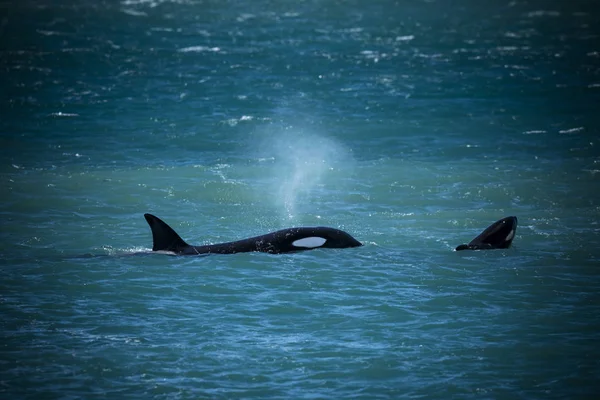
(289, 240)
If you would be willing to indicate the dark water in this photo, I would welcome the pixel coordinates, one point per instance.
(412, 125)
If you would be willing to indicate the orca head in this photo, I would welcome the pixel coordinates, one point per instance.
(321, 237)
(499, 235)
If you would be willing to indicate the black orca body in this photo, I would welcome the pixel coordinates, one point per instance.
(284, 241)
(499, 235)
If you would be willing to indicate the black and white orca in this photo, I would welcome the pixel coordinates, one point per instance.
(499, 235)
(284, 241)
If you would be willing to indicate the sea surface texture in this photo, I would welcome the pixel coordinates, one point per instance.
(411, 125)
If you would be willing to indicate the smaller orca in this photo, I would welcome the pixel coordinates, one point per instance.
(284, 241)
(499, 235)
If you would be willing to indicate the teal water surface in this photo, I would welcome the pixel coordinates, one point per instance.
(411, 125)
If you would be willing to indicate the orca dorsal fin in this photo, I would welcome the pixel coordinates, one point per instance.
(163, 236)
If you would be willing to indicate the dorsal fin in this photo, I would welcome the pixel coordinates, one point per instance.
(163, 236)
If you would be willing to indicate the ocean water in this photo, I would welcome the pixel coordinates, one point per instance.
(412, 125)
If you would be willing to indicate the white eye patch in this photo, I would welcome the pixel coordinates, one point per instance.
(510, 235)
(309, 242)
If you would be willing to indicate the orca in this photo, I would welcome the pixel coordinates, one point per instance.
(499, 235)
(289, 240)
